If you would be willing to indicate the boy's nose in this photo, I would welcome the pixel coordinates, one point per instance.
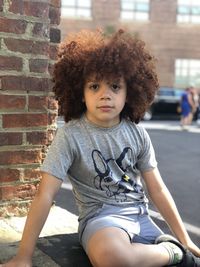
(105, 92)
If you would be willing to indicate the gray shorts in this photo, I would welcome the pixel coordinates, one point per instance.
(135, 221)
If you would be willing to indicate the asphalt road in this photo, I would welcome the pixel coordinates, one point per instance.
(178, 156)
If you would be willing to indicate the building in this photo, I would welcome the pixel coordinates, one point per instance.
(170, 28)
(28, 47)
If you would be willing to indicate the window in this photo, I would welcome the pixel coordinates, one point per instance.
(80, 9)
(188, 11)
(187, 72)
(135, 10)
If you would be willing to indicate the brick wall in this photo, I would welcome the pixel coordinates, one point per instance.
(28, 40)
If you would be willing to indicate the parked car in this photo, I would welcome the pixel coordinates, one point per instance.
(165, 105)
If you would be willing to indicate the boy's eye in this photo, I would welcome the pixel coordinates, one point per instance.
(94, 86)
(115, 87)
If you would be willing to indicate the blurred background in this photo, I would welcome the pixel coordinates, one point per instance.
(171, 30)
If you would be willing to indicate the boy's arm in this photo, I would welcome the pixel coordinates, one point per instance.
(164, 202)
(36, 218)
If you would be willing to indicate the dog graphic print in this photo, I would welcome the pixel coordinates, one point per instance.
(113, 175)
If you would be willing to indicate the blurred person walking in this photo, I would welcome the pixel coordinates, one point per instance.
(187, 107)
(195, 99)
(198, 111)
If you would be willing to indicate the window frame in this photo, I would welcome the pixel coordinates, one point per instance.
(191, 16)
(135, 12)
(76, 8)
(186, 73)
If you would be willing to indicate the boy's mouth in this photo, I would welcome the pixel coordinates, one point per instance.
(105, 108)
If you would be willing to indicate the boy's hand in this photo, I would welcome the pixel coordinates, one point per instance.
(193, 248)
(15, 262)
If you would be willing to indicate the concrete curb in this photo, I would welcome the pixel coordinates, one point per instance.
(40, 259)
(59, 222)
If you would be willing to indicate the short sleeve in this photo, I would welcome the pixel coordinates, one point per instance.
(146, 159)
(59, 156)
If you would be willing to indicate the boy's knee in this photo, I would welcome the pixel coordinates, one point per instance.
(108, 257)
(110, 248)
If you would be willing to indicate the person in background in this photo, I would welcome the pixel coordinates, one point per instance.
(198, 111)
(195, 99)
(187, 107)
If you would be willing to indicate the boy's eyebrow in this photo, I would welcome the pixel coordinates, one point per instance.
(91, 81)
(111, 80)
(119, 81)
(115, 80)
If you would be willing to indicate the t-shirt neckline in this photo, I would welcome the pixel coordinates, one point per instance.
(101, 128)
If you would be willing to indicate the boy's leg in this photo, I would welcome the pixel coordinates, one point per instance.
(111, 246)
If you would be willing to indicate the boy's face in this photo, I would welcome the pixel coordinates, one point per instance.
(104, 100)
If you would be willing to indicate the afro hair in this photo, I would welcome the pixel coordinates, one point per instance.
(119, 55)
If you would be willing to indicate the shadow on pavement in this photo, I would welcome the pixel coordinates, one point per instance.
(65, 250)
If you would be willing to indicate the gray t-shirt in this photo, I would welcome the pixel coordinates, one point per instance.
(103, 164)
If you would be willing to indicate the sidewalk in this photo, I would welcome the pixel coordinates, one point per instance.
(57, 245)
(170, 126)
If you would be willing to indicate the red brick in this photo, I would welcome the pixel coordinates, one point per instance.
(18, 191)
(29, 8)
(38, 65)
(12, 102)
(52, 118)
(13, 25)
(51, 69)
(9, 175)
(36, 9)
(24, 83)
(53, 50)
(38, 102)
(37, 138)
(24, 120)
(32, 174)
(16, 7)
(54, 15)
(10, 63)
(27, 46)
(41, 30)
(55, 3)
(54, 35)
(1, 5)
(52, 103)
(10, 138)
(51, 135)
(20, 157)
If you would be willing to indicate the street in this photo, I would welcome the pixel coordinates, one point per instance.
(178, 156)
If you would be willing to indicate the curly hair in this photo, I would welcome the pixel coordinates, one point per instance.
(119, 55)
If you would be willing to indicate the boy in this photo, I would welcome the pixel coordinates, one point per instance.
(104, 85)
